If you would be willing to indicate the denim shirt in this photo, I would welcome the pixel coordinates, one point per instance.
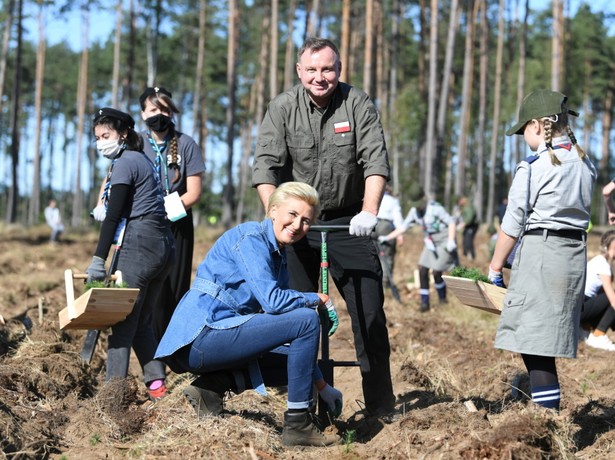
(244, 274)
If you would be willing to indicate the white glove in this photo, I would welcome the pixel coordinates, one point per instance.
(496, 277)
(99, 212)
(334, 399)
(451, 245)
(363, 224)
(382, 239)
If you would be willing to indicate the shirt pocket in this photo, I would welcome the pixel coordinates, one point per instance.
(514, 299)
(302, 150)
(345, 149)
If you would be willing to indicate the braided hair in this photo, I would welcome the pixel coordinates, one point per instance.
(559, 124)
(163, 101)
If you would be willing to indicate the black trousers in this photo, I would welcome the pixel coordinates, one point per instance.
(468, 241)
(177, 282)
(598, 312)
(356, 271)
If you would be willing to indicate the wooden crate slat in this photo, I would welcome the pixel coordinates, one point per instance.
(98, 308)
(477, 294)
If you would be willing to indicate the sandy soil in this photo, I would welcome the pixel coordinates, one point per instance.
(459, 398)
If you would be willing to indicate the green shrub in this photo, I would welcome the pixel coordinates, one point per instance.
(470, 273)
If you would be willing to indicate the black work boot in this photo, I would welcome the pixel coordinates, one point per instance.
(300, 430)
(424, 307)
(206, 393)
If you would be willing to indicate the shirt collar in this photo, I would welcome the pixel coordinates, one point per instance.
(554, 142)
(313, 107)
(273, 243)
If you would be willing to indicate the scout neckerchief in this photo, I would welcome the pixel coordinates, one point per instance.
(107, 188)
(106, 194)
(160, 163)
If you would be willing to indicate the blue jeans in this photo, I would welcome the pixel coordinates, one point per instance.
(356, 271)
(146, 257)
(285, 345)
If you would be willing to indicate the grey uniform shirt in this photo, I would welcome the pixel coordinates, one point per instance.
(559, 197)
(146, 195)
(189, 160)
(333, 150)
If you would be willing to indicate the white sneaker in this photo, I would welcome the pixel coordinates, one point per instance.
(600, 341)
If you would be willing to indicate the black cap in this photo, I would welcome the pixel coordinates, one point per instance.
(113, 113)
(152, 90)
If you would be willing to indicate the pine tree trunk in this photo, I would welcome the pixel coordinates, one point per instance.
(130, 57)
(368, 56)
(496, 111)
(11, 211)
(482, 109)
(198, 107)
(6, 37)
(391, 143)
(115, 78)
(381, 46)
(313, 20)
(255, 114)
(517, 142)
(443, 103)
(152, 30)
(273, 52)
(557, 51)
(82, 89)
(344, 48)
(466, 99)
(289, 55)
(35, 198)
(430, 180)
(228, 195)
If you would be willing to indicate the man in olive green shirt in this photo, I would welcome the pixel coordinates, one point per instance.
(328, 134)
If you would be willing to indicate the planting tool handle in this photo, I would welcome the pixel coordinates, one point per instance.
(325, 363)
(328, 228)
(84, 276)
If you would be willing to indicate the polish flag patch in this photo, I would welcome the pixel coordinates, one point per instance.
(341, 127)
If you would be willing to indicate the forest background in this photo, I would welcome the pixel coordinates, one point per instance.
(446, 76)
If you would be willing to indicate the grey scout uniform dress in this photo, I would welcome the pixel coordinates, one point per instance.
(545, 294)
(435, 224)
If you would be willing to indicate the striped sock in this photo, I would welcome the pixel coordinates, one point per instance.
(441, 290)
(547, 396)
(424, 296)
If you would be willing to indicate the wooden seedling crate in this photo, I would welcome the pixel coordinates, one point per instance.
(477, 294)
(98, 308)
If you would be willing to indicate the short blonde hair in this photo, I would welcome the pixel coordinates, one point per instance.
(297, 190)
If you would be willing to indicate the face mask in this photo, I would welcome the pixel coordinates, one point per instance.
(158, 123)
(109, 148)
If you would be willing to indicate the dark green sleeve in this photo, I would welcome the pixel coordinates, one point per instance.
(271, 152)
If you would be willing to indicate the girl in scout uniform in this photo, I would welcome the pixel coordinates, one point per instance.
(180, 166)
(440, 250)
(548, 212)
(133, 199)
